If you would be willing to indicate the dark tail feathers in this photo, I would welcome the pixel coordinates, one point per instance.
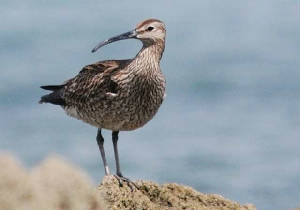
(56, 97)
(52, 87)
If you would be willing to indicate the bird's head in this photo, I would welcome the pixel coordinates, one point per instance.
(149, 31)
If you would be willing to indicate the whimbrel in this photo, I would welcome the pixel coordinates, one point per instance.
(118, 95)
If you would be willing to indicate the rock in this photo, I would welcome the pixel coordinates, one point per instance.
(15, 188)
(64, 186)
(54, 184)
(57, 184)
(151, 195)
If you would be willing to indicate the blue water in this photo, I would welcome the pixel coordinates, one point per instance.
(230, 122)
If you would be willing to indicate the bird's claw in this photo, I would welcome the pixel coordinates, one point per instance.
(130, 183)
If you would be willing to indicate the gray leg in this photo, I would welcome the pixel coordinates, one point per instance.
(100, 141)
(115, 136)
(119, 176)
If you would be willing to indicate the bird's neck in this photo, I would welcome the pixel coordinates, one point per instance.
(151, 52)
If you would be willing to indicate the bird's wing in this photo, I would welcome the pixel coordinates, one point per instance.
(93, 83)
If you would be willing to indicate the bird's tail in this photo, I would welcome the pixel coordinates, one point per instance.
(56, 97)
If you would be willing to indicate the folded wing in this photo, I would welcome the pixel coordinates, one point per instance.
(92, 83)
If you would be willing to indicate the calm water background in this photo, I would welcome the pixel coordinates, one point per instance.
(229, 124)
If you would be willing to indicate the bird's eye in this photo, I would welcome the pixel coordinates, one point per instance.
(150, 28)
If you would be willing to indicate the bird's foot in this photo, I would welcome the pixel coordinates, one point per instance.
(122, 179)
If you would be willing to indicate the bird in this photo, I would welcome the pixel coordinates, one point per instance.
(117, 95)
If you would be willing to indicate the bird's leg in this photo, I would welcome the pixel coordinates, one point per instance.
(100, 141)
(115, 137)
(119, 176)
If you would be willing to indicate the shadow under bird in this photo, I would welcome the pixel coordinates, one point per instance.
(118, 95)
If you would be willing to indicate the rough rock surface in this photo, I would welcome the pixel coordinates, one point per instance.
(56, 184)
(150, 195)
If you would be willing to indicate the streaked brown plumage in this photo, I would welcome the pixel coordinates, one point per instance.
(119, 95)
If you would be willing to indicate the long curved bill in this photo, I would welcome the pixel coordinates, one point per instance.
(127, 35)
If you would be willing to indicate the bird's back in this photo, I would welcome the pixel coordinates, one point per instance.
(93, 83)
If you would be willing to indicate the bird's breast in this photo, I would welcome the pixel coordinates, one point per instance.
(141, 100)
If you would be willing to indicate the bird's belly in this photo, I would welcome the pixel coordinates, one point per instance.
(117, 115)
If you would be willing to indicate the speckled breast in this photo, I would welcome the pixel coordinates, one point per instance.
(127, 109)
